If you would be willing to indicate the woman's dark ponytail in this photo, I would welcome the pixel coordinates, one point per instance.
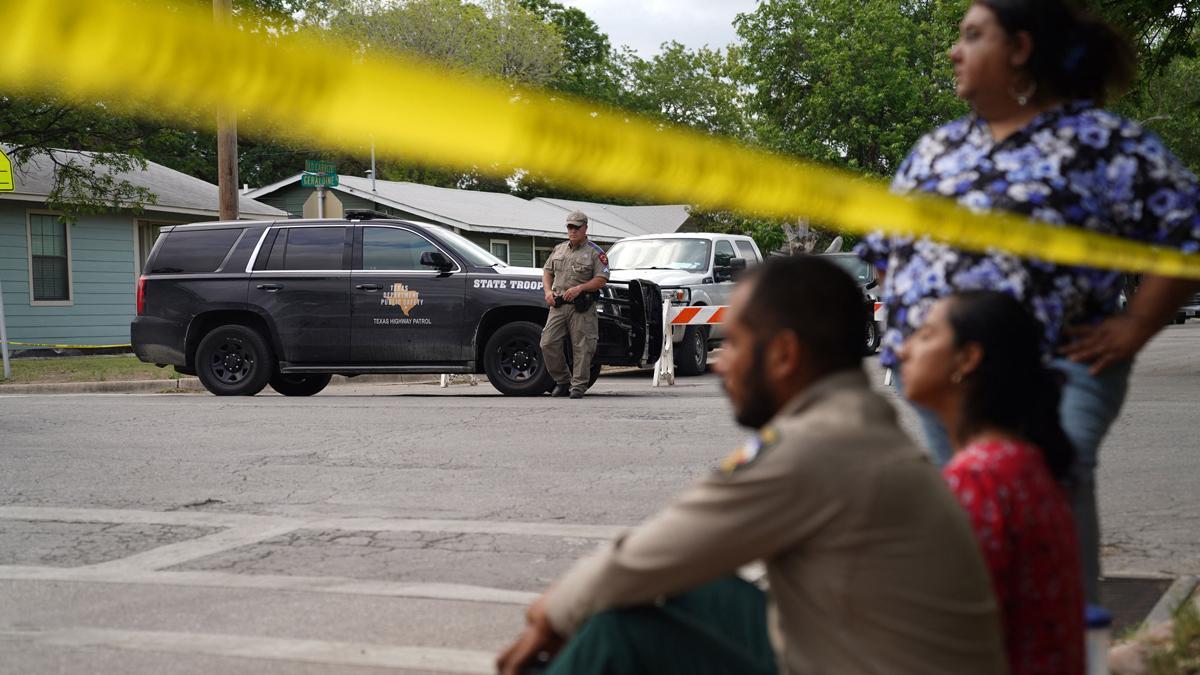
(1012, 389)
(1075, 54)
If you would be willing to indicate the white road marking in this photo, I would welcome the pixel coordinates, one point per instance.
(270, 582)
(181, 552)
(275, 649)
(314, 522)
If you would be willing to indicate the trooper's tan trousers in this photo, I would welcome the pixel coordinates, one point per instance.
(584, 329)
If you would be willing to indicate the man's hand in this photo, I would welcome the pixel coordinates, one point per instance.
(537, 637)
(549, 298)
(571, 293)
(1115, 340)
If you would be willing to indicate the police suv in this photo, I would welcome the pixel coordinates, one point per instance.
(291, 303)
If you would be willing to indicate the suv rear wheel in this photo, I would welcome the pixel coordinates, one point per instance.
(300, 385)
(513, 362)
(234, 360)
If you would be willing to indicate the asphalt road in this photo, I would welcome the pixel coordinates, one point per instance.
(405, 526)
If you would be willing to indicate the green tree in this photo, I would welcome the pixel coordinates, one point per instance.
(850, 83)
(697, 88)
(1168, 103)
(496, 37)
(592, 70)
(1163, 29)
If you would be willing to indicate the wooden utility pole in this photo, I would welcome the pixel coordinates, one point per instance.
(227, 153)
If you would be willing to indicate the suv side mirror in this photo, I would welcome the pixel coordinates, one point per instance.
(437, 259)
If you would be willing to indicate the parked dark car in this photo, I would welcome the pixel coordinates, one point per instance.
(868, 280)
(291, 303)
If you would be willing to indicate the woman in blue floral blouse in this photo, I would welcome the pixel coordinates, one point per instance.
(1035, 73)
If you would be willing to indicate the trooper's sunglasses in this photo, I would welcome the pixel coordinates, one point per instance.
(573, 226)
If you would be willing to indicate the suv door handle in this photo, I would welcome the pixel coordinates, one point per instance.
(368, 287)
(270, 288)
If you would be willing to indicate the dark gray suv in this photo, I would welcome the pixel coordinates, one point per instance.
(291, 303)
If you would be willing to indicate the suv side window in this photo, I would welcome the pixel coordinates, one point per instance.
(308, 248)
(724, 253)
(193, 251)
(393, 249)
(745, 250)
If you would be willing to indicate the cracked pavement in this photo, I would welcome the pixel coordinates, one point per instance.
(408, 517)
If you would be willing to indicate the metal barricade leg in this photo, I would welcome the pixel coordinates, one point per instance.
(664, 369)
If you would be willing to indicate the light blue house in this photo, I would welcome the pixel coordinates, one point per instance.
(75, 283)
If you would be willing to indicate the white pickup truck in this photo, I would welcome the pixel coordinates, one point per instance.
(693, 269)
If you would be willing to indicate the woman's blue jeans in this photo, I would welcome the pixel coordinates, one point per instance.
(1090, 404)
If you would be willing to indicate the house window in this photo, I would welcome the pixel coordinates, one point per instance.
(541, 254)
(500, 249)
(49, 259)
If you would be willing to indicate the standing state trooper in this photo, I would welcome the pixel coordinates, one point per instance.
(572, 279)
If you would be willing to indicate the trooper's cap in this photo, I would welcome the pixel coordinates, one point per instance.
(577, 218)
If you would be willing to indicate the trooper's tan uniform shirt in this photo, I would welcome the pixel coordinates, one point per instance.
(871, 562)
(571, 266)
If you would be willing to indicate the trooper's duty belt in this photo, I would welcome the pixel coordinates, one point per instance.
(582, 302)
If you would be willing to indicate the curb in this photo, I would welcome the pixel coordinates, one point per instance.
(1176, 595)
(187, 385)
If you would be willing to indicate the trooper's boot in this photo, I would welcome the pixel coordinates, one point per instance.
(576, 393)
(560, 390)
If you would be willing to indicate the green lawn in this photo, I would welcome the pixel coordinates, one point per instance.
(85, 369)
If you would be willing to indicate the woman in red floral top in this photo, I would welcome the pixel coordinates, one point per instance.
(977, 364)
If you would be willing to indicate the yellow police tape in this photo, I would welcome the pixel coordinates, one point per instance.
(323, 93)
(58, 346)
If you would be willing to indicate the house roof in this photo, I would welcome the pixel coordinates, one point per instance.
(502, 213)
(176, 192)
(636, 220)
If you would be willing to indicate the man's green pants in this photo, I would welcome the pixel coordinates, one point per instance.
(718, 628)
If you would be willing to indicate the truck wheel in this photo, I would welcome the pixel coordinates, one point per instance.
(873, 337)
(300, 385)
(513, 362)
(691, 357)
(234, 360)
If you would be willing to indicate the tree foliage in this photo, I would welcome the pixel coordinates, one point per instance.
(850, 83)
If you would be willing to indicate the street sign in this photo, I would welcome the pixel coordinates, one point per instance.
(318, 180)
(7, 184)
(319, 173)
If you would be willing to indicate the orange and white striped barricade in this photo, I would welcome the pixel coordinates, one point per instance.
(664, 369)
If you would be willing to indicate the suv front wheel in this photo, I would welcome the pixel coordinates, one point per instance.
(513, 362)
(234, 360)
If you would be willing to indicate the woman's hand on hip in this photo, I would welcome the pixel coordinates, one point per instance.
(1115, 340)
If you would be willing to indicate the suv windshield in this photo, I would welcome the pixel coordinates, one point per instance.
(662, 254)
(469, 249)
(855, 267)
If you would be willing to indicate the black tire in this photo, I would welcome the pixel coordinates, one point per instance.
(234, 360)
(513, 362)
(691, 355)
(874, 337)
(305, 384)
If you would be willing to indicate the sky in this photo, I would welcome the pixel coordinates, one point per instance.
(646, 24)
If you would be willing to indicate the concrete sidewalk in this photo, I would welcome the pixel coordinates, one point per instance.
(189, 385)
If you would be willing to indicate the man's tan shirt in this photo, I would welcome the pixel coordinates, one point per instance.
(571, 266)
(872, 564)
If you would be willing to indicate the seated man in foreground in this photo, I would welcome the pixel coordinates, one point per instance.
(871, 563)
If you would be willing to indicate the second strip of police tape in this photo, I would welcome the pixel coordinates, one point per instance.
(309, 88)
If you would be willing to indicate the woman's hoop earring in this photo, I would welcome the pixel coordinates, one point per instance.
(1024, 97)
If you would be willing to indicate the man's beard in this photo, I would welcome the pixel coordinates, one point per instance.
(758, 406)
